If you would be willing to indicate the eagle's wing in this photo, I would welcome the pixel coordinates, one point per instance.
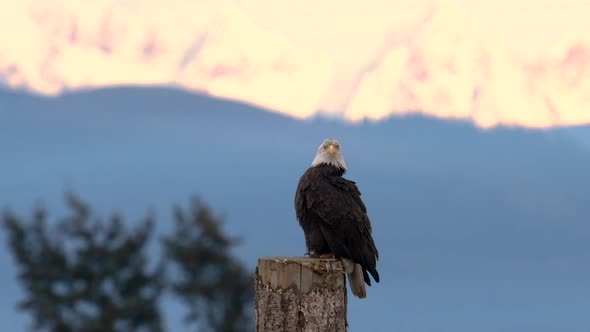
(346, 226)
(300, 199)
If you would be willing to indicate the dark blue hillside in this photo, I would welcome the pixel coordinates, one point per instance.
(477, 230)
(581, 133)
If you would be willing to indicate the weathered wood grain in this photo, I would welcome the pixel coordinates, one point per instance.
(300, 294)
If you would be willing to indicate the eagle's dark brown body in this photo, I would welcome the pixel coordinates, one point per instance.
(334, 218)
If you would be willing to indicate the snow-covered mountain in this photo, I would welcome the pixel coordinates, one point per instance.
(444, 66)
(66, 45)
(448, 67)
(239, 60)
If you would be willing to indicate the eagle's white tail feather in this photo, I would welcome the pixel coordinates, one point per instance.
(355, 278)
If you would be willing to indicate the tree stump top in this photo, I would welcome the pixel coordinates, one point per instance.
(302, 273)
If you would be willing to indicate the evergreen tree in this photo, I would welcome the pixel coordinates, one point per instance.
(217, 289)
(85, 274)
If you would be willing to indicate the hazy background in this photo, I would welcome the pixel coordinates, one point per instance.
(464, 124)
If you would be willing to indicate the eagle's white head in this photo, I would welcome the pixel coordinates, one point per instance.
(329, 153)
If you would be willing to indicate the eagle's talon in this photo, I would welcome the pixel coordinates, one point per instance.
(311, 254)
(328, 256)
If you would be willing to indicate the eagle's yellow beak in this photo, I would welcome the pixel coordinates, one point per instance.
(331, 149)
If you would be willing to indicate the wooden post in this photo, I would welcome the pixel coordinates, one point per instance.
(300, 294)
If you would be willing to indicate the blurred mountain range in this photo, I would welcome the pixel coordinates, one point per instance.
(478, 230)
(65, 45)
(444, 66)
(448, 67)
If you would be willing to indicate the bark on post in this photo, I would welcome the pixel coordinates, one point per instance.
(300, 294)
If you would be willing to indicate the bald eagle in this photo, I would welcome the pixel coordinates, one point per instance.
(334, 218)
